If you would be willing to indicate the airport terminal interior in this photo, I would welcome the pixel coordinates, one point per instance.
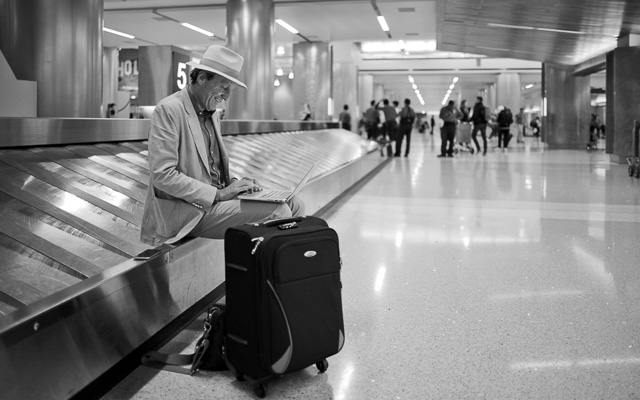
(503, 272)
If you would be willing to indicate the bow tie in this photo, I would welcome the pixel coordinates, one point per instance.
(206, 114)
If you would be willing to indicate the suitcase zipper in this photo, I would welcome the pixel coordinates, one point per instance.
(258, 240)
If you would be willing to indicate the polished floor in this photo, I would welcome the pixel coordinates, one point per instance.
(507, 276)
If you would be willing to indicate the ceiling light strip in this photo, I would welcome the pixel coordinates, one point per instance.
(286, 26)
(532, 28)
(197, 29)
(381, 20)
(290, 28)
(118, 33)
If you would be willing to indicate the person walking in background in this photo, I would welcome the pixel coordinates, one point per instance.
(407, 118)
(479, 119)
(396, 106)
(505, 119)
(390, 128)
(520, 125)
(464, 109)
(450, 115)
(345, 118)
(535, 125)
(305, 114)
(372, 119)
(362, 125)
(433, 124)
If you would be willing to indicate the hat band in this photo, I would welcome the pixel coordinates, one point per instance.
(220, 67)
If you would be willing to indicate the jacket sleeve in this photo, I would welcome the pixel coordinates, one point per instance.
(166, 139)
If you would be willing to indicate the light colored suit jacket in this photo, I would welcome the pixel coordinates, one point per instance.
(180, 190)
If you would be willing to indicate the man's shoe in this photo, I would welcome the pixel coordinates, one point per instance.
(449, 155)
(441, 155)
(406, 155)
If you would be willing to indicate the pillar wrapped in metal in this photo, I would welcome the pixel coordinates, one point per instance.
(250, 32)
(59, 46)
(508, 90)
(109, 77)
(566, 125)
(345, 79)
(312, 82)
(623, 88)
(365, 91)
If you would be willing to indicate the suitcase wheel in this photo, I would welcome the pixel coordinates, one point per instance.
(322, 365)
(261, 390)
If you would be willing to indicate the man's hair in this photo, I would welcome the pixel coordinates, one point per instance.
(346, 107)
(451, 102)
(385, 102)
(395, 102)
(479, 98)
(407, 101)
(373, 102)
(194, 75)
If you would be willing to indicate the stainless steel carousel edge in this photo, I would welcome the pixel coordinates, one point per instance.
(55, 347)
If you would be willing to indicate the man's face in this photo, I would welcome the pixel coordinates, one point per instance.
(215, 91)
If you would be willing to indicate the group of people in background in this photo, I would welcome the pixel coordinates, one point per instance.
(390, 124)
(505, 126)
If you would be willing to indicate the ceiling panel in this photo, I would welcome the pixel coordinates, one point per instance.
(530, 29)
(485, 27)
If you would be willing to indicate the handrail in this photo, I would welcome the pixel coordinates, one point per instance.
(23, 132)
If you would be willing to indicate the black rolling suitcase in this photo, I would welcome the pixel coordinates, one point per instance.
(283, 295)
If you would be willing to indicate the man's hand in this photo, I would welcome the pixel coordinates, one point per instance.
(237, 187)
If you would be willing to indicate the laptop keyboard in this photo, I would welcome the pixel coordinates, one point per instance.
(276, 194)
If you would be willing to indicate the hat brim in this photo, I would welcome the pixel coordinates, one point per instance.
(215, 71)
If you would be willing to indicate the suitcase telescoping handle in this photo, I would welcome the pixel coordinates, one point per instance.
(281, 221)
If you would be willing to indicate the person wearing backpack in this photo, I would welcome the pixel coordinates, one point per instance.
(407, 117)
(450, 115)
(505, 119)
(479, 119)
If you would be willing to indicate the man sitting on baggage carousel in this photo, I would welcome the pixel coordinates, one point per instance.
(191, 193)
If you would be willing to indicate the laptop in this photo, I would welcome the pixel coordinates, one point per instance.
(278, 196)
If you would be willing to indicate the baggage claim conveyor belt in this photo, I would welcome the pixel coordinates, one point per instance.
(76, 311)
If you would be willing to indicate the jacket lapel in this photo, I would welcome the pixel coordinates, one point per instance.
(194, 129)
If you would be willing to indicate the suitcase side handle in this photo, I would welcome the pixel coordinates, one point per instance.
(273, 222)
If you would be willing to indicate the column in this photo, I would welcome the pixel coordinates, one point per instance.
(312, 82)
(490, 101)
(59, 46)
(568, 97)
(345, 81)
(623, 89)
(250, 32)
(365, 92)
(110, 62)
(508, 90)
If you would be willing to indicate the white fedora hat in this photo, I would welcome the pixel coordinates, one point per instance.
(223, 61)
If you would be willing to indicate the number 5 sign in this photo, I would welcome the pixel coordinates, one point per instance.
(180, 71)
(183, 79)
